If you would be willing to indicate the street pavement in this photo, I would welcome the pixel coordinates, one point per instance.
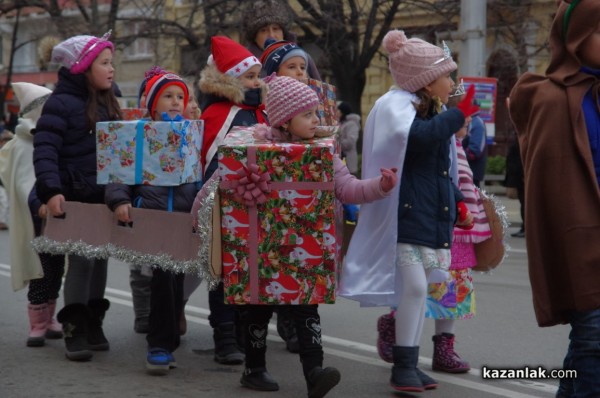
(504, 334)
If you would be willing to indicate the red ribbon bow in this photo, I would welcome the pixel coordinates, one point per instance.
(251, 186)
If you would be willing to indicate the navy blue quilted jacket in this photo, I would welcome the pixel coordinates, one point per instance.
(64, 155)
(427, 206)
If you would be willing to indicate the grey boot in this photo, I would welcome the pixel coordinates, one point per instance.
(75, 319)
(96, 339)
(404, 371)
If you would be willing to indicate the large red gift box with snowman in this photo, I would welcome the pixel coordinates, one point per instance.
(278, 212)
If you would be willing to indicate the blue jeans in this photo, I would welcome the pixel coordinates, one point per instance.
(583, 356)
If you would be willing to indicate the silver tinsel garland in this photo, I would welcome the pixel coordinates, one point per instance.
(503, 215)
(196, 266)
(204, 229)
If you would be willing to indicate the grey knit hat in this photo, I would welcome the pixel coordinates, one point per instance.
(260, 13)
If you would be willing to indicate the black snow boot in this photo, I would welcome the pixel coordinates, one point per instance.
(74, 319)
(226, 348)
(320, 381)
(96, 339)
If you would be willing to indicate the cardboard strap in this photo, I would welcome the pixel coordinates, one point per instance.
(253, 218)
(139, 151)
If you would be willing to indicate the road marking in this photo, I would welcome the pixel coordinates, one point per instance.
(124, 298)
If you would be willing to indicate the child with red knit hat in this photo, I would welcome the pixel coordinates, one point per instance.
(166, 98)
(292, 109)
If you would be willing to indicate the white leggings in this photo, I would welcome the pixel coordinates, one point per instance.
(410, 311)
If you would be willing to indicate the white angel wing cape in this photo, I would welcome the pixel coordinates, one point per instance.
(368, 274)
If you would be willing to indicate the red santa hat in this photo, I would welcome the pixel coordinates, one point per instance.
(230, 57)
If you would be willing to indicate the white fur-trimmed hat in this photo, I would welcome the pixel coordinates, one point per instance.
(31, 98)
(230, 57)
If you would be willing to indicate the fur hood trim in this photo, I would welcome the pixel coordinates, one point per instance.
(213, 82)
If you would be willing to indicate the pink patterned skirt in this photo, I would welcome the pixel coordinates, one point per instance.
(455, 298)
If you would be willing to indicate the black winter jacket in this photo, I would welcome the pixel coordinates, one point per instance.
(179, 198)
(64, 155)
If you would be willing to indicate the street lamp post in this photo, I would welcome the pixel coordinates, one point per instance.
(472, 29)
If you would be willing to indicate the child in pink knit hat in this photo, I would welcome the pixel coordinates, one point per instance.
(407, 129)
(292, 109)
(64, 159)
(79, 52)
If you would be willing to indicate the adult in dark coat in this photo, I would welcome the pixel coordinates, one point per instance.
(556, 116)
(263, 19)
(514, 179)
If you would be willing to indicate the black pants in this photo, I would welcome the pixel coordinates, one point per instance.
(166, 304)
(219, 311)
(46, 288)
(308, 326)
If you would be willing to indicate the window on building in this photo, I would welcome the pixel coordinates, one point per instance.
(139, 47)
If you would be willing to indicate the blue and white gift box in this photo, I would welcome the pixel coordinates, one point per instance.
(148, 152)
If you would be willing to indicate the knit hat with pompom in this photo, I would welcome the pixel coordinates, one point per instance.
(150, 73)
(79, 52)
(277, 52)
(287, 98)
(158, 82)
(414, 63)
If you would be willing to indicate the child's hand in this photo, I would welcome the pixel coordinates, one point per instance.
(466, 106)
(465, 218)
(122, 212)
(55, 205)
(43, 211)
(389, 179)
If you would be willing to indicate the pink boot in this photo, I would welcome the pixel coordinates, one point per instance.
(386, 327)
(38, 321)
(54, 329)
(445, 359)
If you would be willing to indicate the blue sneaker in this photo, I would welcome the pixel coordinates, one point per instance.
(159, 361)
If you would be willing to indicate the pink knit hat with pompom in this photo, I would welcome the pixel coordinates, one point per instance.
(414, 63)
(287, 98)
(79, 52)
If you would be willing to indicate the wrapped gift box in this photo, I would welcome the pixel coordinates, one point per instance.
(327, 102)
(133, 113)
(285, 250)
(148, 152)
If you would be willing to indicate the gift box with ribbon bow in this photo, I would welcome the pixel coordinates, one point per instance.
(148, 152)
(278, 212)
